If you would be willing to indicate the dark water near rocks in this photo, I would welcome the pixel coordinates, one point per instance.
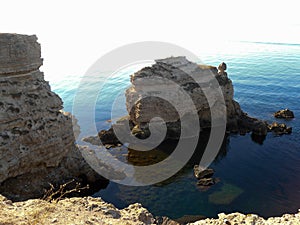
(254, 178)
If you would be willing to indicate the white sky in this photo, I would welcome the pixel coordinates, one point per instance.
(74, 34)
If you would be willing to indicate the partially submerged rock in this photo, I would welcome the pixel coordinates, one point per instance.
(205, 173)
(279, 128)
(207, 181)
(204, 176)
(284, 113)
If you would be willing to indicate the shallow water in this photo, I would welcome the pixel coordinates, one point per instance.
(254, 178)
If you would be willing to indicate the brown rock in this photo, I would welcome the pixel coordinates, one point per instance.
(284, 113)
(206, 182)
(221, 69)
(206, 173)
(279, 128)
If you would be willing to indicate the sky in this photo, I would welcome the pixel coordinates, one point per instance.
(74, 34)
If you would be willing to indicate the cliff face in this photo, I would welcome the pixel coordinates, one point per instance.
(166, 77)
(32, 127)
(36, 138)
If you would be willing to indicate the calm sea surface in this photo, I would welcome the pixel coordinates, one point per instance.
(254, 177)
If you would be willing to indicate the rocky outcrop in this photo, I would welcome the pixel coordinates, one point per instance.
(284, 113)
(86, 210)
(90, 210)
(37, 144)
(279, 128)
(166, 77)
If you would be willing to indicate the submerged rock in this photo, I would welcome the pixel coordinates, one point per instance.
(226, 195)
(189, 219)
(284, 113)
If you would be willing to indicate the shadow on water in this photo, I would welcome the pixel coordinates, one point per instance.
(143, 158)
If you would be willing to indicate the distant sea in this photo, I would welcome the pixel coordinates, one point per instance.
(261, 178)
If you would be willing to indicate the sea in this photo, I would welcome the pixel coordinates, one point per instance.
(255, 176)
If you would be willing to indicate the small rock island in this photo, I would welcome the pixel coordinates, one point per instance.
(165, 78)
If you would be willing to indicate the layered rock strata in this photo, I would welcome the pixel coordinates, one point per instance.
(37, 144)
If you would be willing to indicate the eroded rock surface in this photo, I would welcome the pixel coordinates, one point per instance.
(37, 144)
(86, 210)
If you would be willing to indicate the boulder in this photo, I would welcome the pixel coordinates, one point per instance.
(205, 173)
(204, 182)
(284, 113)
(279, 128)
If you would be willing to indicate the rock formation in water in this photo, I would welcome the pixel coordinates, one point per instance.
(166, 77)
(37, 144)
(284, 113)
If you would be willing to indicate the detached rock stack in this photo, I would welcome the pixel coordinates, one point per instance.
(37, 144)
(142, 104)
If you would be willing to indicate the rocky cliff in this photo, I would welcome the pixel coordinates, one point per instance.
(37, 144)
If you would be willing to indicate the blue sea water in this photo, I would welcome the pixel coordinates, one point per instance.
(254, 178)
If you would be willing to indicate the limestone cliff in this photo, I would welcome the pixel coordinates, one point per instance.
(37, 144)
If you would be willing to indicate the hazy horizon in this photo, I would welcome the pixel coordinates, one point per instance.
(74, 35)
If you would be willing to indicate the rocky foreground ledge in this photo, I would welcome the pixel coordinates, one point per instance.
(90, 210)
